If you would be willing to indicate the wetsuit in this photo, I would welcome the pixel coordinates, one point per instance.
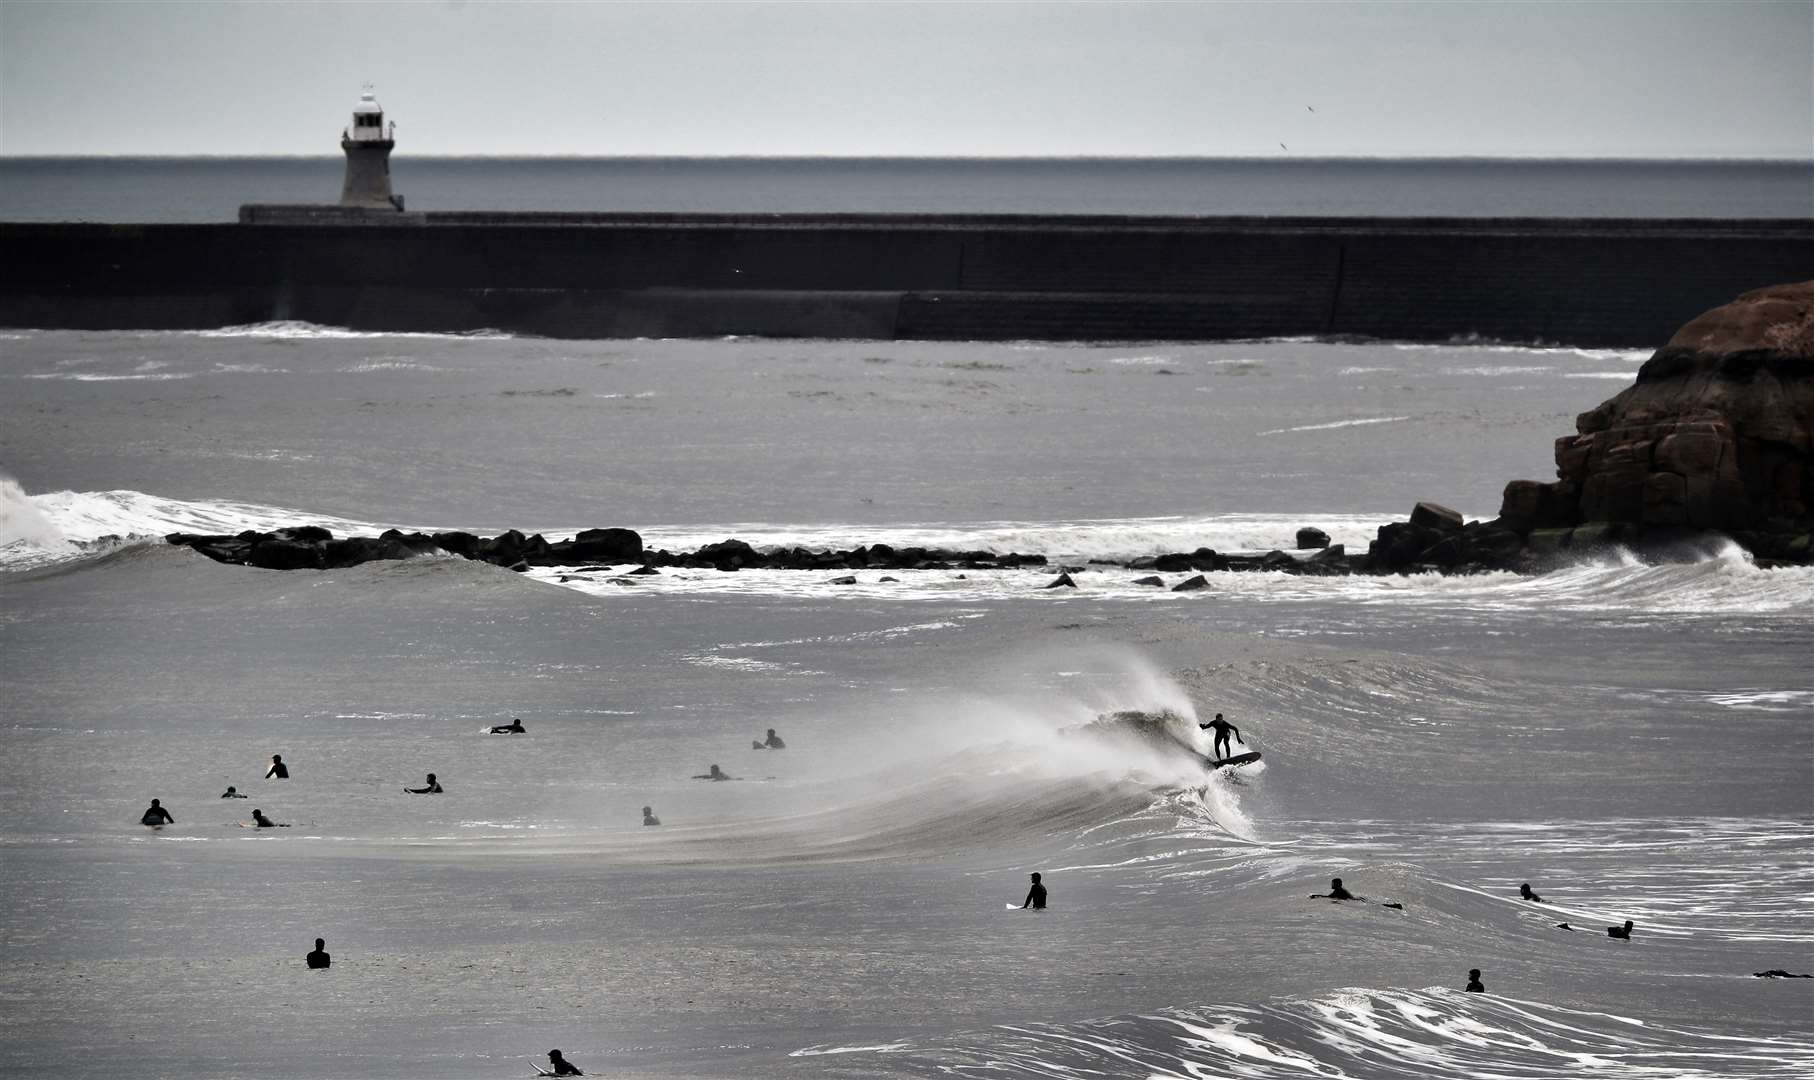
(1036, 897)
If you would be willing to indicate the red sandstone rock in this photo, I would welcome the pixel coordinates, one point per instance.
(1716, 433)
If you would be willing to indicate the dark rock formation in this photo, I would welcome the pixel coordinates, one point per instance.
(1311, 537)
(1191, 584)
(1062, 581)
(1716, 436)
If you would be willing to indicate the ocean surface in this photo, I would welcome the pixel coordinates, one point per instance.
(1636, 742)
(212, 189)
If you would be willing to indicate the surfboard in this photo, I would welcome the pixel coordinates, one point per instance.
(1239, 759)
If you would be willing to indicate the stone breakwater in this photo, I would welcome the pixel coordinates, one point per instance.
(1714, 441)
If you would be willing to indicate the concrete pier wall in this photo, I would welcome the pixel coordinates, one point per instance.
(1587, 282)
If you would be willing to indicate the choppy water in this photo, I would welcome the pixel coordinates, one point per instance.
(1636, 742)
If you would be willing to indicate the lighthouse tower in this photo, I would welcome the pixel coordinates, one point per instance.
(368, 145)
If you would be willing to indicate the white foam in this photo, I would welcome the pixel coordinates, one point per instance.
(1337, 424)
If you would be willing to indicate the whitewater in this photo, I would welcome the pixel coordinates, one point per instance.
(1634, 741)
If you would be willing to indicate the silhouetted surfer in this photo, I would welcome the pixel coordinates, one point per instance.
(1036, 896)
(1336, 892)
(232, 793)
(773, 742)
(156, 816)
(429, 787)
(319, 958)
(259, 820)
(648, 816)
(1474, 986)
(515, 727)
(715, 774)
(1525, 893)
(560, 1066)
(1220, 747)
(1622, 932)
(278, 770)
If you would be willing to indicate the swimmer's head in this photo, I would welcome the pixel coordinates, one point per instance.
(320, 943)
(1035, 879)
(431, 778)
(1335, 883)
(1473, 973)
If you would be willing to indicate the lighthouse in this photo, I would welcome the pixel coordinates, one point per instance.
(368, 145)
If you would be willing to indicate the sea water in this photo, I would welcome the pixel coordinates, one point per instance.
(1634, 741)
(212, 189)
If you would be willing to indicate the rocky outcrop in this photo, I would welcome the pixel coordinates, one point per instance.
(1716, 436)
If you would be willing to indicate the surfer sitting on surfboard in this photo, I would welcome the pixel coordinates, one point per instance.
(156, 816)
(278, 770)
(319, 958)
(1220, 747)
(773, 742)
(1036, 896)
(648, 816)
(560, 1066)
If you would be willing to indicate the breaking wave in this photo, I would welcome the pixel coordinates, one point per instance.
(1433, 1032)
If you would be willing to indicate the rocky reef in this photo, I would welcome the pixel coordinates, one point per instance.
(1714, 440)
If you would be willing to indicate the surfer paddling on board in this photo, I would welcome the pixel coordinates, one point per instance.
(232, 793)
(715, 774)
(1220, 747)
(648, 816)
(156, 816)
(560, 1066)
(260, 821)
(1036, 896)
(430, 787)
(1338, 892)
(773, 742)
(515, 727)
(1525, 893)
(278, 770)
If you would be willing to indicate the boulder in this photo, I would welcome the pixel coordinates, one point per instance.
(1429, 515)
(1191, 584)
(1717, 432)
(603, 545)
(1312, 537)
(1150, 580)
(848, 579)
(1062, 581)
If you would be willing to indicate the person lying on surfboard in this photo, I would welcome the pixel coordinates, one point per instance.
(1525, 893)
(232, 793)
(260, 821)
(1337, 892)
(715, 774)
(1220, 746)
(515, 727)
(430, 787)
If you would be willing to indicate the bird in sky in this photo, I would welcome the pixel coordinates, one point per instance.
(1282, 146)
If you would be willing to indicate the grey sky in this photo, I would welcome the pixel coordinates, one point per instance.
(1566, 80)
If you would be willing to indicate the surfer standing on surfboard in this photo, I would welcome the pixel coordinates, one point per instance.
(1220, 747)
